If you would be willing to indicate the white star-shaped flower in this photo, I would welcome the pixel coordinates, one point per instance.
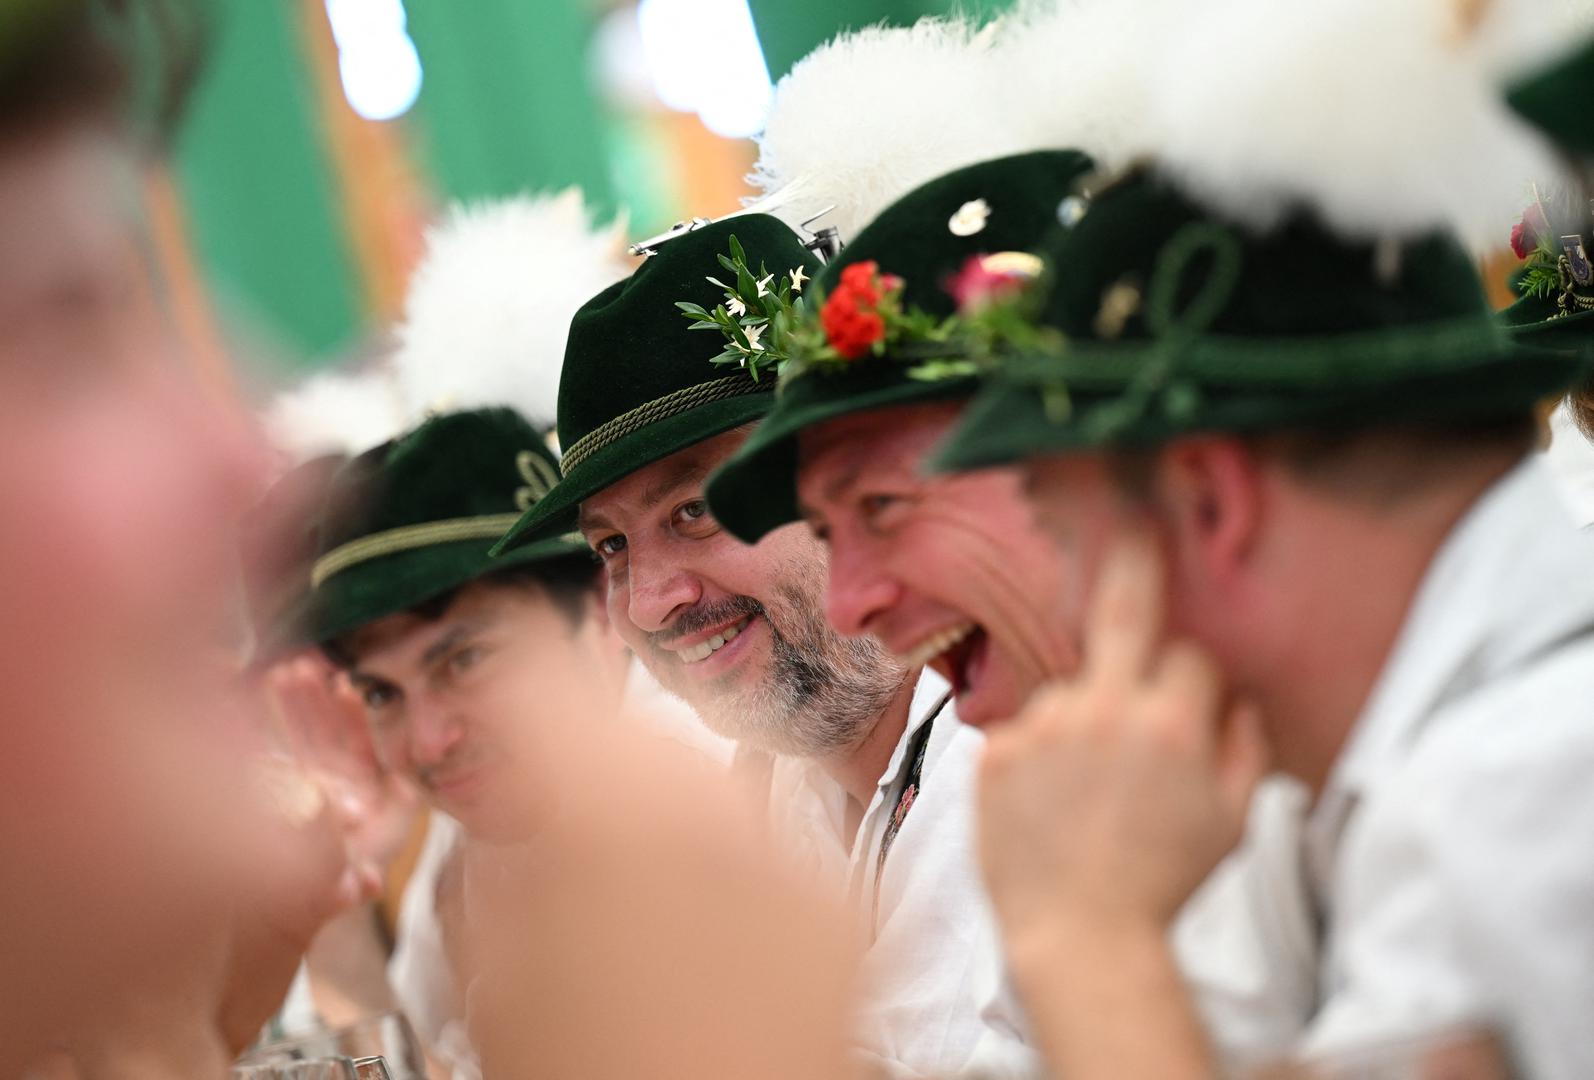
(763, 286)
(797, 279)
(735, 306)
(753, 334)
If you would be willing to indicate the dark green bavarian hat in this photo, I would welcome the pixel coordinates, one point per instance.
(1556, 309)
(417, 516)
(1558, 100)
(637, 384)
(1174, 321)
(981, 220)
(1562, 317)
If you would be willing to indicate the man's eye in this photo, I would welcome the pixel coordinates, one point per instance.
(609, 546)
(693, 518)
(875, 505)
(462, 660)
(378, 697)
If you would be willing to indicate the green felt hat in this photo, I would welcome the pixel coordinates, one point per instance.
(1557, 100)
(1174, 322)
(416, 517)
(1556, 278)
(991, 214)
(1540, 321)
(637, 384)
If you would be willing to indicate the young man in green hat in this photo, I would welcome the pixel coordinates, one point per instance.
(1554, 240)
(453, 651)
(1309, 534)
(850, 739)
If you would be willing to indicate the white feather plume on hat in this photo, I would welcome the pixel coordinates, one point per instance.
(870, 115)
(1073, 73)
(1382, 116)
(489, 307)
(335, 412)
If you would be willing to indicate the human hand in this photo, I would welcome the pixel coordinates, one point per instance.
(1113, 794)
(318, 716)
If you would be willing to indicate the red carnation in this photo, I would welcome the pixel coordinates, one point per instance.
(1527, 233)
(859, 279)
(850, 317)
(851, 332)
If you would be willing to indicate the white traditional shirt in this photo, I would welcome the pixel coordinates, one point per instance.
(939, 1001)
(1448, 858)
(1570, 458)
(936, 1002)
(420, 974)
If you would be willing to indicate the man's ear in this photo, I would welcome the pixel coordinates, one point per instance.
(1211, 495)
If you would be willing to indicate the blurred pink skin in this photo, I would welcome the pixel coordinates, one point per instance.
(128, 824)
(323, 725)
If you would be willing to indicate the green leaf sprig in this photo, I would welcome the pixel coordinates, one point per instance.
(757, 317)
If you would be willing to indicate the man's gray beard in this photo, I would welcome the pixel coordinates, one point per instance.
(824, 693)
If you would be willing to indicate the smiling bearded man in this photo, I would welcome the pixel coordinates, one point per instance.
(738, 631)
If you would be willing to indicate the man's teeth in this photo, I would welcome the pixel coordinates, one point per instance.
(935, 645)
(704, 649)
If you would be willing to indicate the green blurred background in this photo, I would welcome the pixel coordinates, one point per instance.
(299, 218)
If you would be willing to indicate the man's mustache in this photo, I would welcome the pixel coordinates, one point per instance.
(704, 616)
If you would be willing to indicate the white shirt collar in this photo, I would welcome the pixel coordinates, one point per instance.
(1512, 578)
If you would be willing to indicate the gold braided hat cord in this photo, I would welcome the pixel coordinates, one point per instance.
(651, 412)
(407, 538)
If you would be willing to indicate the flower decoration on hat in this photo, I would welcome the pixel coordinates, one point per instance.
(1554, 266)
(865, 318)
(755, 305)
(854, 316)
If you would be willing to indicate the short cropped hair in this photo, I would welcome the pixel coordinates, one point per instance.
(568, 582)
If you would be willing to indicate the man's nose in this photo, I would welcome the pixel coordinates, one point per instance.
(436, 728)
(659, 586)
(858, 591)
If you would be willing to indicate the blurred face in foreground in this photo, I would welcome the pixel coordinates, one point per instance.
(121, 807)
(461, 703)
(946, 570)
(736, 630)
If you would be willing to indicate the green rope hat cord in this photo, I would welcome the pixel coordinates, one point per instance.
(1174, 331)
(651, 412)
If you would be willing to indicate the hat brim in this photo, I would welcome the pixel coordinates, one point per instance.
(1535, 321)
(385, 586)
(1008, 421)
(1556, 100)
(755, 491)
(555, 513)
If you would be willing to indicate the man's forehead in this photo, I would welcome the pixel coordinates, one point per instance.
(832, 457)
(658, 481)
(406, 636)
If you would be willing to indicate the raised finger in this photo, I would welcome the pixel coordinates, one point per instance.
(1190, 689)
(1125, 616)
(1243, 756)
